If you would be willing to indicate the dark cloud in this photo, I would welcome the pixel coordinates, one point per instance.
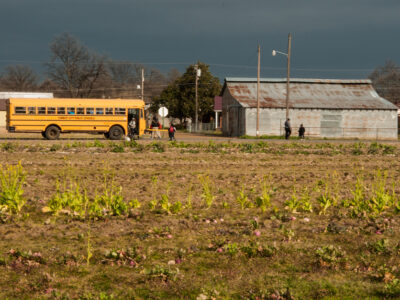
(330, 38)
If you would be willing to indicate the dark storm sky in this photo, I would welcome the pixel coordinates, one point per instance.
(331, 39)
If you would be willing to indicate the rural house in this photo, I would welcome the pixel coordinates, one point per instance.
(326, 108)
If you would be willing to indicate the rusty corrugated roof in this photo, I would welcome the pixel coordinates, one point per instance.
(307, 93)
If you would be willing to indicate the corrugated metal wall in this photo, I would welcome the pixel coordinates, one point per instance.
(322, 123)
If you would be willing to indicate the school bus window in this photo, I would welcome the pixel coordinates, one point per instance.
(20, 110)
(41, 110)
(32, 110)
(99, 111)
(60, 110)
(71, 110)
(51, 110)
(80, 111)
(119, 111)
(141, 113)
(89, 110)
(109, 111)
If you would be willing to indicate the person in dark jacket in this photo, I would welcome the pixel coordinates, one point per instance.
(302, 131)
(288, 129)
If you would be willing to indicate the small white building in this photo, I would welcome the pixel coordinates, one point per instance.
(7, 95)
(326, 108)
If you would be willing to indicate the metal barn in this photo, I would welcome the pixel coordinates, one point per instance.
(326, 108)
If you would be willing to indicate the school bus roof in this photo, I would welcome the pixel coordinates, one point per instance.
(78, 102)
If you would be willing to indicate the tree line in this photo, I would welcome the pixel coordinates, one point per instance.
(75, 71)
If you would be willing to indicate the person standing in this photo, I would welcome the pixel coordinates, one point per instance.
(155, 126)
(302, 131)
(171, 132)
(288, 129)
(132, 127)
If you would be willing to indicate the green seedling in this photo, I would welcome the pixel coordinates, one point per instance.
(207, 190)
(12, 179)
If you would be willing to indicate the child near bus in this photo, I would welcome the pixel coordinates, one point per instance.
(171, 132)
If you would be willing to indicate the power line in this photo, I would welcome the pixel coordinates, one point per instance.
(189, 63)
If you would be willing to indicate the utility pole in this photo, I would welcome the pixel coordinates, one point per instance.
(288, 74)
(258, 93)
(142, 84)
(196, 67)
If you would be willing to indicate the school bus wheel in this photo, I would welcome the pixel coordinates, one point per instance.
(52, 132)
(116, 133)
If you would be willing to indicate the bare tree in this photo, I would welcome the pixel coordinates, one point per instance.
(125, 72)
(19, 78)
(74, 67)
(173, 75)
(386, 81)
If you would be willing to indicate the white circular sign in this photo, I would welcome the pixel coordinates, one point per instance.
(163, 111)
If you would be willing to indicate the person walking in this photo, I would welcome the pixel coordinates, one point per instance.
(288, 129)
(171, 132)
(302, 131)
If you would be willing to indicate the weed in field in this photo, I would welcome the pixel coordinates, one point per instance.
(158, 147)
(389, 149)
(68, 196)
(152, 204)
(357, 204)
(189, 197)
(374, 148)
(134, 203)
(131, 256)
(256, 250)
(293, 203)
(231, 248)
(164, 202)
(358, 148)
(305, 201)
(325, 199)
(12, 179)
(287, 233)
(392, 289)
(330, 256)
(162, 273)
(207, 190)
(89, 249)
(117, 147)
(111, 198)
(264, 201)
(98, 144)
(380, 246)
(8, 147)
(243, 199)
(55, 147)
(381, 198)
(154, 187)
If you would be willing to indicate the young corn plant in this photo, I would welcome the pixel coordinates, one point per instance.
(207, 193)
(264, 200)
(12, 179)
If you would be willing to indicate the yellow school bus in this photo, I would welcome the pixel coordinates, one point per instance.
(54, 116)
